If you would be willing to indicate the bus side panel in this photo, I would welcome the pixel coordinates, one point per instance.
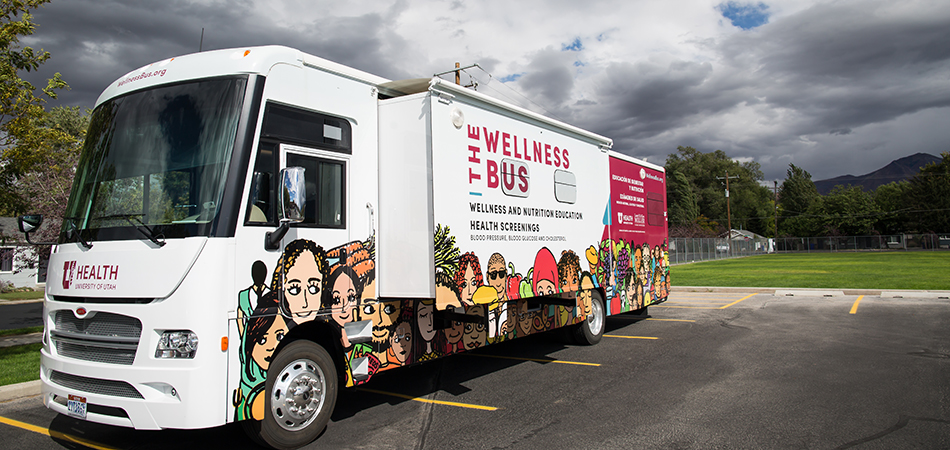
(637, 235)
(404, 242)
(517, 206)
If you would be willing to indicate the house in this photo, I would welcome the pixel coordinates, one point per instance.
(18, 265)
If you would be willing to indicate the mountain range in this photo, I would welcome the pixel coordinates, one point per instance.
(900, 169)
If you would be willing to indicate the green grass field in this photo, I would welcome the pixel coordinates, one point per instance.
(20, 363)
(29, 295)
(858, 270)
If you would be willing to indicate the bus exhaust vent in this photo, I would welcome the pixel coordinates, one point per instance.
(101, 337)
(95, 385)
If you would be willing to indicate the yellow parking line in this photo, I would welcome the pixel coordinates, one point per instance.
(737, 301)
(425, 400)
(53, 434)
(685, 307)
(854, 307)
(630, 337)
(696, 303)
(672, 320)
(558, 361)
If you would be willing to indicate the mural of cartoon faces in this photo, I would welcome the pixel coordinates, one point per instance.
(338, 286)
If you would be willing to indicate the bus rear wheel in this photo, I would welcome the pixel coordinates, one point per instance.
(301, 393)
(591, 330)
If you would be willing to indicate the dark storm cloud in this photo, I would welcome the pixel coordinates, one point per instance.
(112, 38)
(829, 70)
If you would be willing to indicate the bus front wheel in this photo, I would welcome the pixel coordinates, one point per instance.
(301, 393)
(591, 330)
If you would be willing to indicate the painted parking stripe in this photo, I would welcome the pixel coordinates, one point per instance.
(53, 434)
(518, 358)
(854, 307)
(737, 301)
(695, 303)
(672, 320)
(425, 400)
(631, 337)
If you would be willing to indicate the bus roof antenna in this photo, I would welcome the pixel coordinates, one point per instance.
(202, 41)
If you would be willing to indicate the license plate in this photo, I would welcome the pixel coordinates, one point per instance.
(76, 406)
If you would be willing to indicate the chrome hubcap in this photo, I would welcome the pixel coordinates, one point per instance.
(595, 321)
(298, 395)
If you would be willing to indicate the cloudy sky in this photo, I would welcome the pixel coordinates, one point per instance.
(836, 87)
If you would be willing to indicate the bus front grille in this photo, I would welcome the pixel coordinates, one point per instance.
(99, 386)
(102, 337)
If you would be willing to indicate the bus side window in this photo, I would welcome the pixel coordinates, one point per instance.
(261, 198)
(326, 190)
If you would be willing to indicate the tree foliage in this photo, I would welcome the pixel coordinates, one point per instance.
(750, 203)
(23, 137)
(928, 196)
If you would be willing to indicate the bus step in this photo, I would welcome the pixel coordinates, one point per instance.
(359, 332)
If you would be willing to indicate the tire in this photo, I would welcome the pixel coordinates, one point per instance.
(591, 330)
(300, 378)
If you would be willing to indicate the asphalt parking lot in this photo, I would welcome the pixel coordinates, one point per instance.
(707, 370)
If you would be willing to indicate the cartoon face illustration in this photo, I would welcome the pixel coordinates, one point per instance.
(568, 270)
(454, 332)
(475, 333)
(525, 319)
(497, 274)
(383, 314)
(342, 294)
(299, 275)
(425, 320)
(264, 333)
(401, 342)
(585, 295)
(446, 293)
(468, 278)
(545, 273)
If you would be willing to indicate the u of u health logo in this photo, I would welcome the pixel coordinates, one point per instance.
(89, 276)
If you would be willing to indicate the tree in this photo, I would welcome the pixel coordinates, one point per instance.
(799, 196)
(47, 184)
(683, 209)
(928, 197)
(848, 211)
(749, 201)
(891, 201)
(22, 137)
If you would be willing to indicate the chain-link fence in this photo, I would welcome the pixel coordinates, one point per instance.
(683, 250)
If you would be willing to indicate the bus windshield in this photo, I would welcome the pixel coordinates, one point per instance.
(157, 159)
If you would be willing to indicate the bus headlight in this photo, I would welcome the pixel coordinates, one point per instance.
(177, 344)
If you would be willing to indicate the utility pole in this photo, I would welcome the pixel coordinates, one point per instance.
(728, 212)
(458, 76)
(775, 182)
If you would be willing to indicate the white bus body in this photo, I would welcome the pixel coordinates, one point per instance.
(433, 214)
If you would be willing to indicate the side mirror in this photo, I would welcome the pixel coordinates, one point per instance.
(292, 200)
(30, 223)
(293, 194)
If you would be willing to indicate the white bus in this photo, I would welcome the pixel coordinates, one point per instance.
(251, 229)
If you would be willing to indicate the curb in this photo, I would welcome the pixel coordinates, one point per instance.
(20, 390)
(20, 302)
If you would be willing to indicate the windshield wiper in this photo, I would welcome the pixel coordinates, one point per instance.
(74, 232)
(158, 240)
